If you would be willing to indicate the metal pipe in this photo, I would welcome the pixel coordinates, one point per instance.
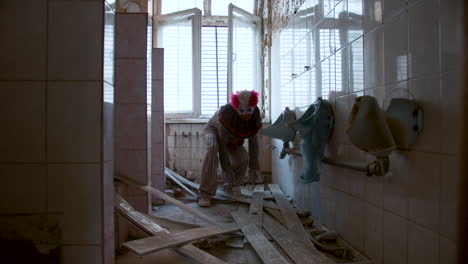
(378, 167)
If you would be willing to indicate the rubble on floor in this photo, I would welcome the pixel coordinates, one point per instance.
(261, 226)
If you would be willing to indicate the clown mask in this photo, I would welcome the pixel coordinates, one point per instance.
(244, 102)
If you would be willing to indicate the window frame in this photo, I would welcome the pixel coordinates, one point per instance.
(206, 20)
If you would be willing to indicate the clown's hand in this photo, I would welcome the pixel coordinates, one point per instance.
(255, 176)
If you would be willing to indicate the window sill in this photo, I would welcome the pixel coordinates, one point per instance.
(197, 121)
(186, 120)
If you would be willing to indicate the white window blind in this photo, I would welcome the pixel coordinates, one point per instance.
(176, 39)
(214, 69)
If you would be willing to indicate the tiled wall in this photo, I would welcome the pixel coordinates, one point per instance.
(387, 49)
(56, 120)
(185, 150)
(132, 150)
(157, 120)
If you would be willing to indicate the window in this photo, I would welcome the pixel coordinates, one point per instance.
(197, 64)
(214, 69)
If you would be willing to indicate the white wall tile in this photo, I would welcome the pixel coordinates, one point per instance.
(355, 19)
(451, 106)
(23, 120)
(423, 245)
(75, 40)
(374, 58)
(395, 243)
(74, 121)
(24, 40)
(451, 34)
(373, 233)
(130, 122)
(24, 189)
(447, 251)
(449, 192)
(130, 81)
(131, 35)
(396, 49)
(158, 64)
(424, 39)
(393, 8)
(373, 14)
(76, 188)
(423, 189)
(427, 94)
(395, 195)
(132, 164)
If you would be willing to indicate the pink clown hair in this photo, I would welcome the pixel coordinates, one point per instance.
(235, 100)
(244, 98)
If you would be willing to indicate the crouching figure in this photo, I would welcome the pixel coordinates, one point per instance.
(224, 137)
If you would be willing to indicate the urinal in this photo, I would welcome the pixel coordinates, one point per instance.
(279, 128)
(315, 127)
(368, 129)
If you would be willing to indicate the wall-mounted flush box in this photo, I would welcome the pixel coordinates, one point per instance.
(405, 120)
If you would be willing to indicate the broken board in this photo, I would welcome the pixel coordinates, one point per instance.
(168, 199)
(149, 245)
(294, 224)
(143, 222)
(296, 249)
(265, 250)
(238, 198)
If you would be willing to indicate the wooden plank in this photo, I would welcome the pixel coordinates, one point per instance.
(168, 199)
(265, 250)
(143, 222)
(276, 214)
(241, 199)
(149, 245)
(176, 181)
(135, 217)
(296, 249)
(290, 218)
(256, 205)
(173, 224)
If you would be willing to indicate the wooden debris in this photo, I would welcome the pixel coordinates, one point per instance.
(293, 224)
(176, 181)
(262, 246)
(149, 245)
(172, 224)
(238, 198)
(298, 251)
(256, 206)
(288, 213)
(143, 222)
(167, 198)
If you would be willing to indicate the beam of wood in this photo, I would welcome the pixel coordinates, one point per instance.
(290, 218)
(135, 217)
(143, 222)
(256, 205)
(296, 249)
(176, 181)
(168, 199)
(276, 214)
(149, 245)
(265, 250)
(241, 199)
(169, 223)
